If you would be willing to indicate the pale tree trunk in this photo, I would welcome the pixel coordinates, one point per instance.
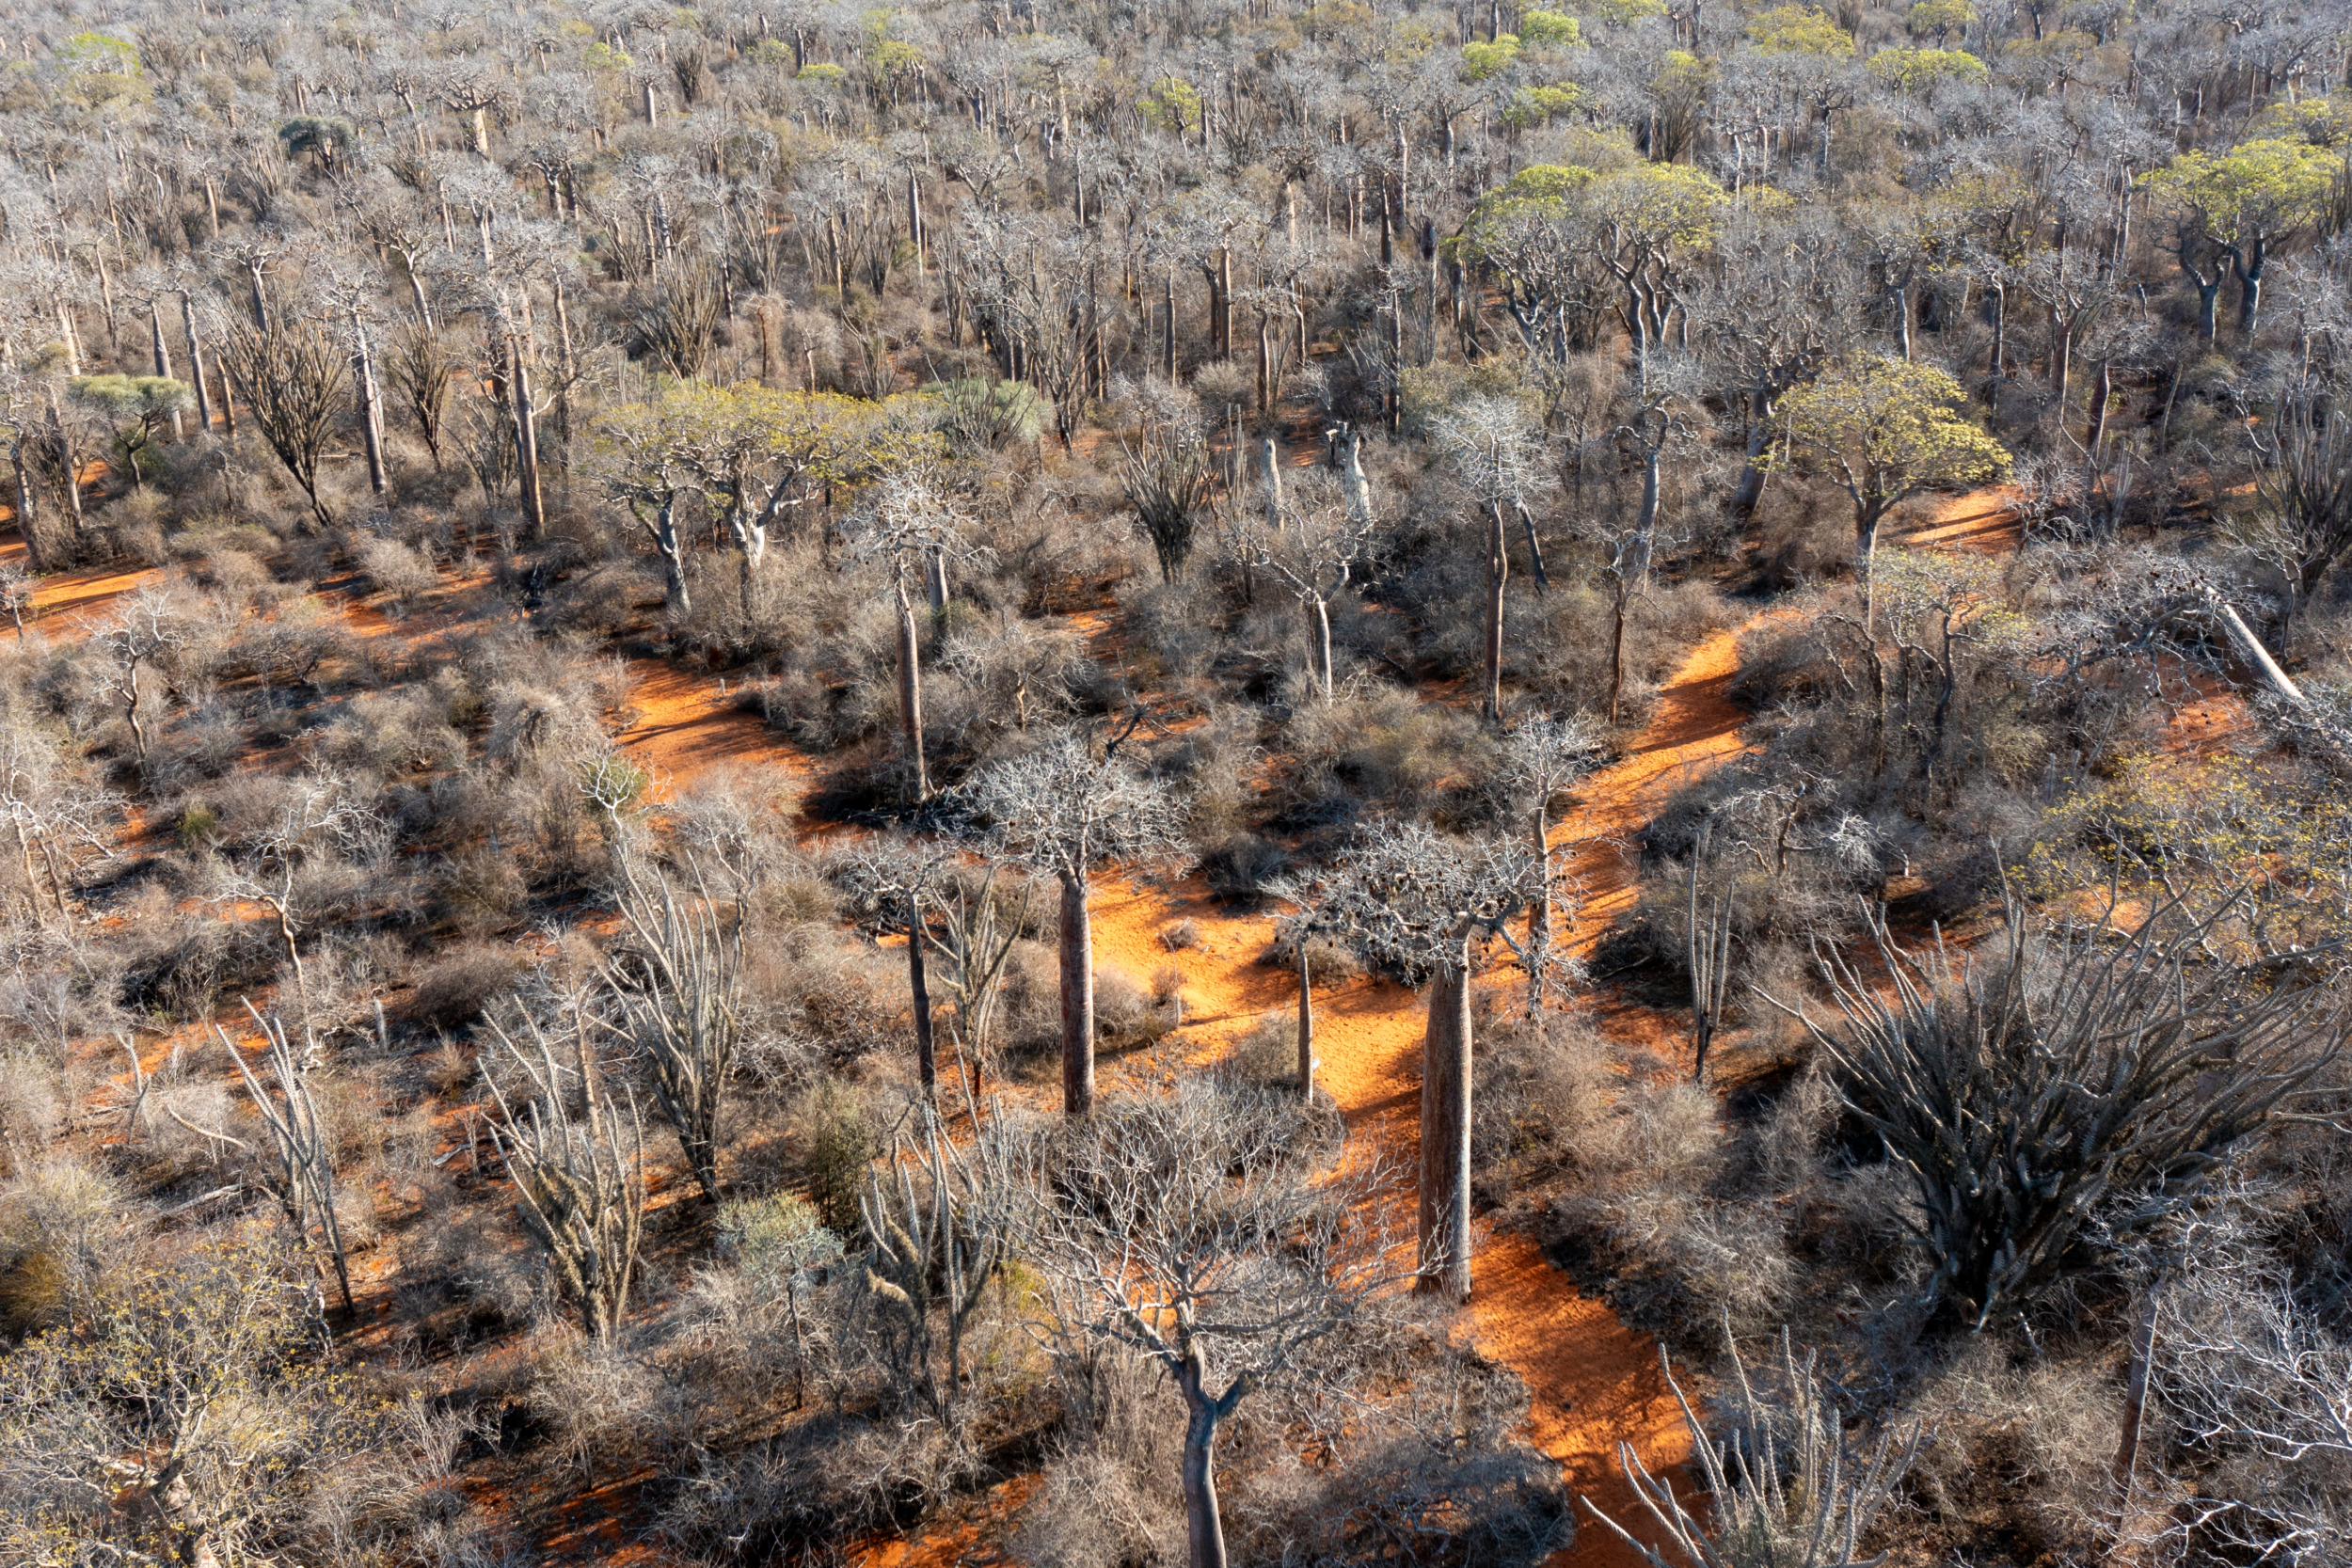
(162, 354)
(1204, 1527)
(1320, 628)
(665, 540)
(1077, 999)
(910, 690)
(1498, 574)
(1445, 1132)
(196, 368)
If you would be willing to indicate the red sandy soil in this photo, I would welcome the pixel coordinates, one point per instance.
(1593, 1383)
(682, 727)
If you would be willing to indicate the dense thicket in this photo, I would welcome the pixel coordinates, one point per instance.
(1060, 448)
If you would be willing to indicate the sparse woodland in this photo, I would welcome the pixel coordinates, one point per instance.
(1107, 785)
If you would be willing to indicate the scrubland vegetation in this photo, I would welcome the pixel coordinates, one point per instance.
(798, 785)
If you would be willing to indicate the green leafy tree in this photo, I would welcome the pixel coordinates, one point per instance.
(139, 406)
(1882, 431)
(2236, 206)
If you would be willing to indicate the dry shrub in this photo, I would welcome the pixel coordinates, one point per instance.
(604, 1404)
(1327, 959)
(1267, 1055)
(31, 1109)
(1673, 1207)
(1239, 866)
(818, 1483)
(1182, 935)
(2030, 1447)
(399, 572)
(455, 987)
(1111, 1495)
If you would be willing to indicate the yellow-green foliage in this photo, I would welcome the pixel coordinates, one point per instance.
(1913, 70)
(1542, 29)
(1887, 430)
(1483, 60)
(1172, 103)
(1624, 13)
(2207, 831)
(1800, 30)
(2256, 188)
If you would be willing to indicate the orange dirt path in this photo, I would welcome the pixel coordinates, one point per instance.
(1591, 1381)
(683, 727)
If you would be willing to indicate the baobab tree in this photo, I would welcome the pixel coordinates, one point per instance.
(908, 523)
(1314, 547)
(1426, 905)
(1195, 1229)
(1067, 811)
(1494, 448)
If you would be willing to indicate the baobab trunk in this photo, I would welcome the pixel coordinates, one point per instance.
(527, 443)
(162, 354)
(1077, 999)
(370, 426)
(910, 691)
(1498, 574)
(196, 368)
(1445, 1134)
(1204, 1525)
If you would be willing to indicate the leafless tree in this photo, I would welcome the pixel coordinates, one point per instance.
(580, 1181)
(291, 375)
(2300, 523)
(1495, 448)
(2252, 1384)
(935, 1235)
(1314, 547)
(893, 883)
(142, 631)
(908, 524)
(1542, 757)
(1065, 811)
(1195, 1228)
(317, 819)
(677, 991)
(1426, 904)
(2019, 1091)
(303, 1175)
(1786, 1487)
(978, 924)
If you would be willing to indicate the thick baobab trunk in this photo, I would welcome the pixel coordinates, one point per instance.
(926, 1056)
(1204, 1527)
(2100, 393)
(371, 420)
(1077, 999)
(910, 691)
(1751, 490)
(663, 529)
(1445, 1134)
(24, 512)
(196, 368)
(527, 442)
(162, 355)
(1498, 575)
